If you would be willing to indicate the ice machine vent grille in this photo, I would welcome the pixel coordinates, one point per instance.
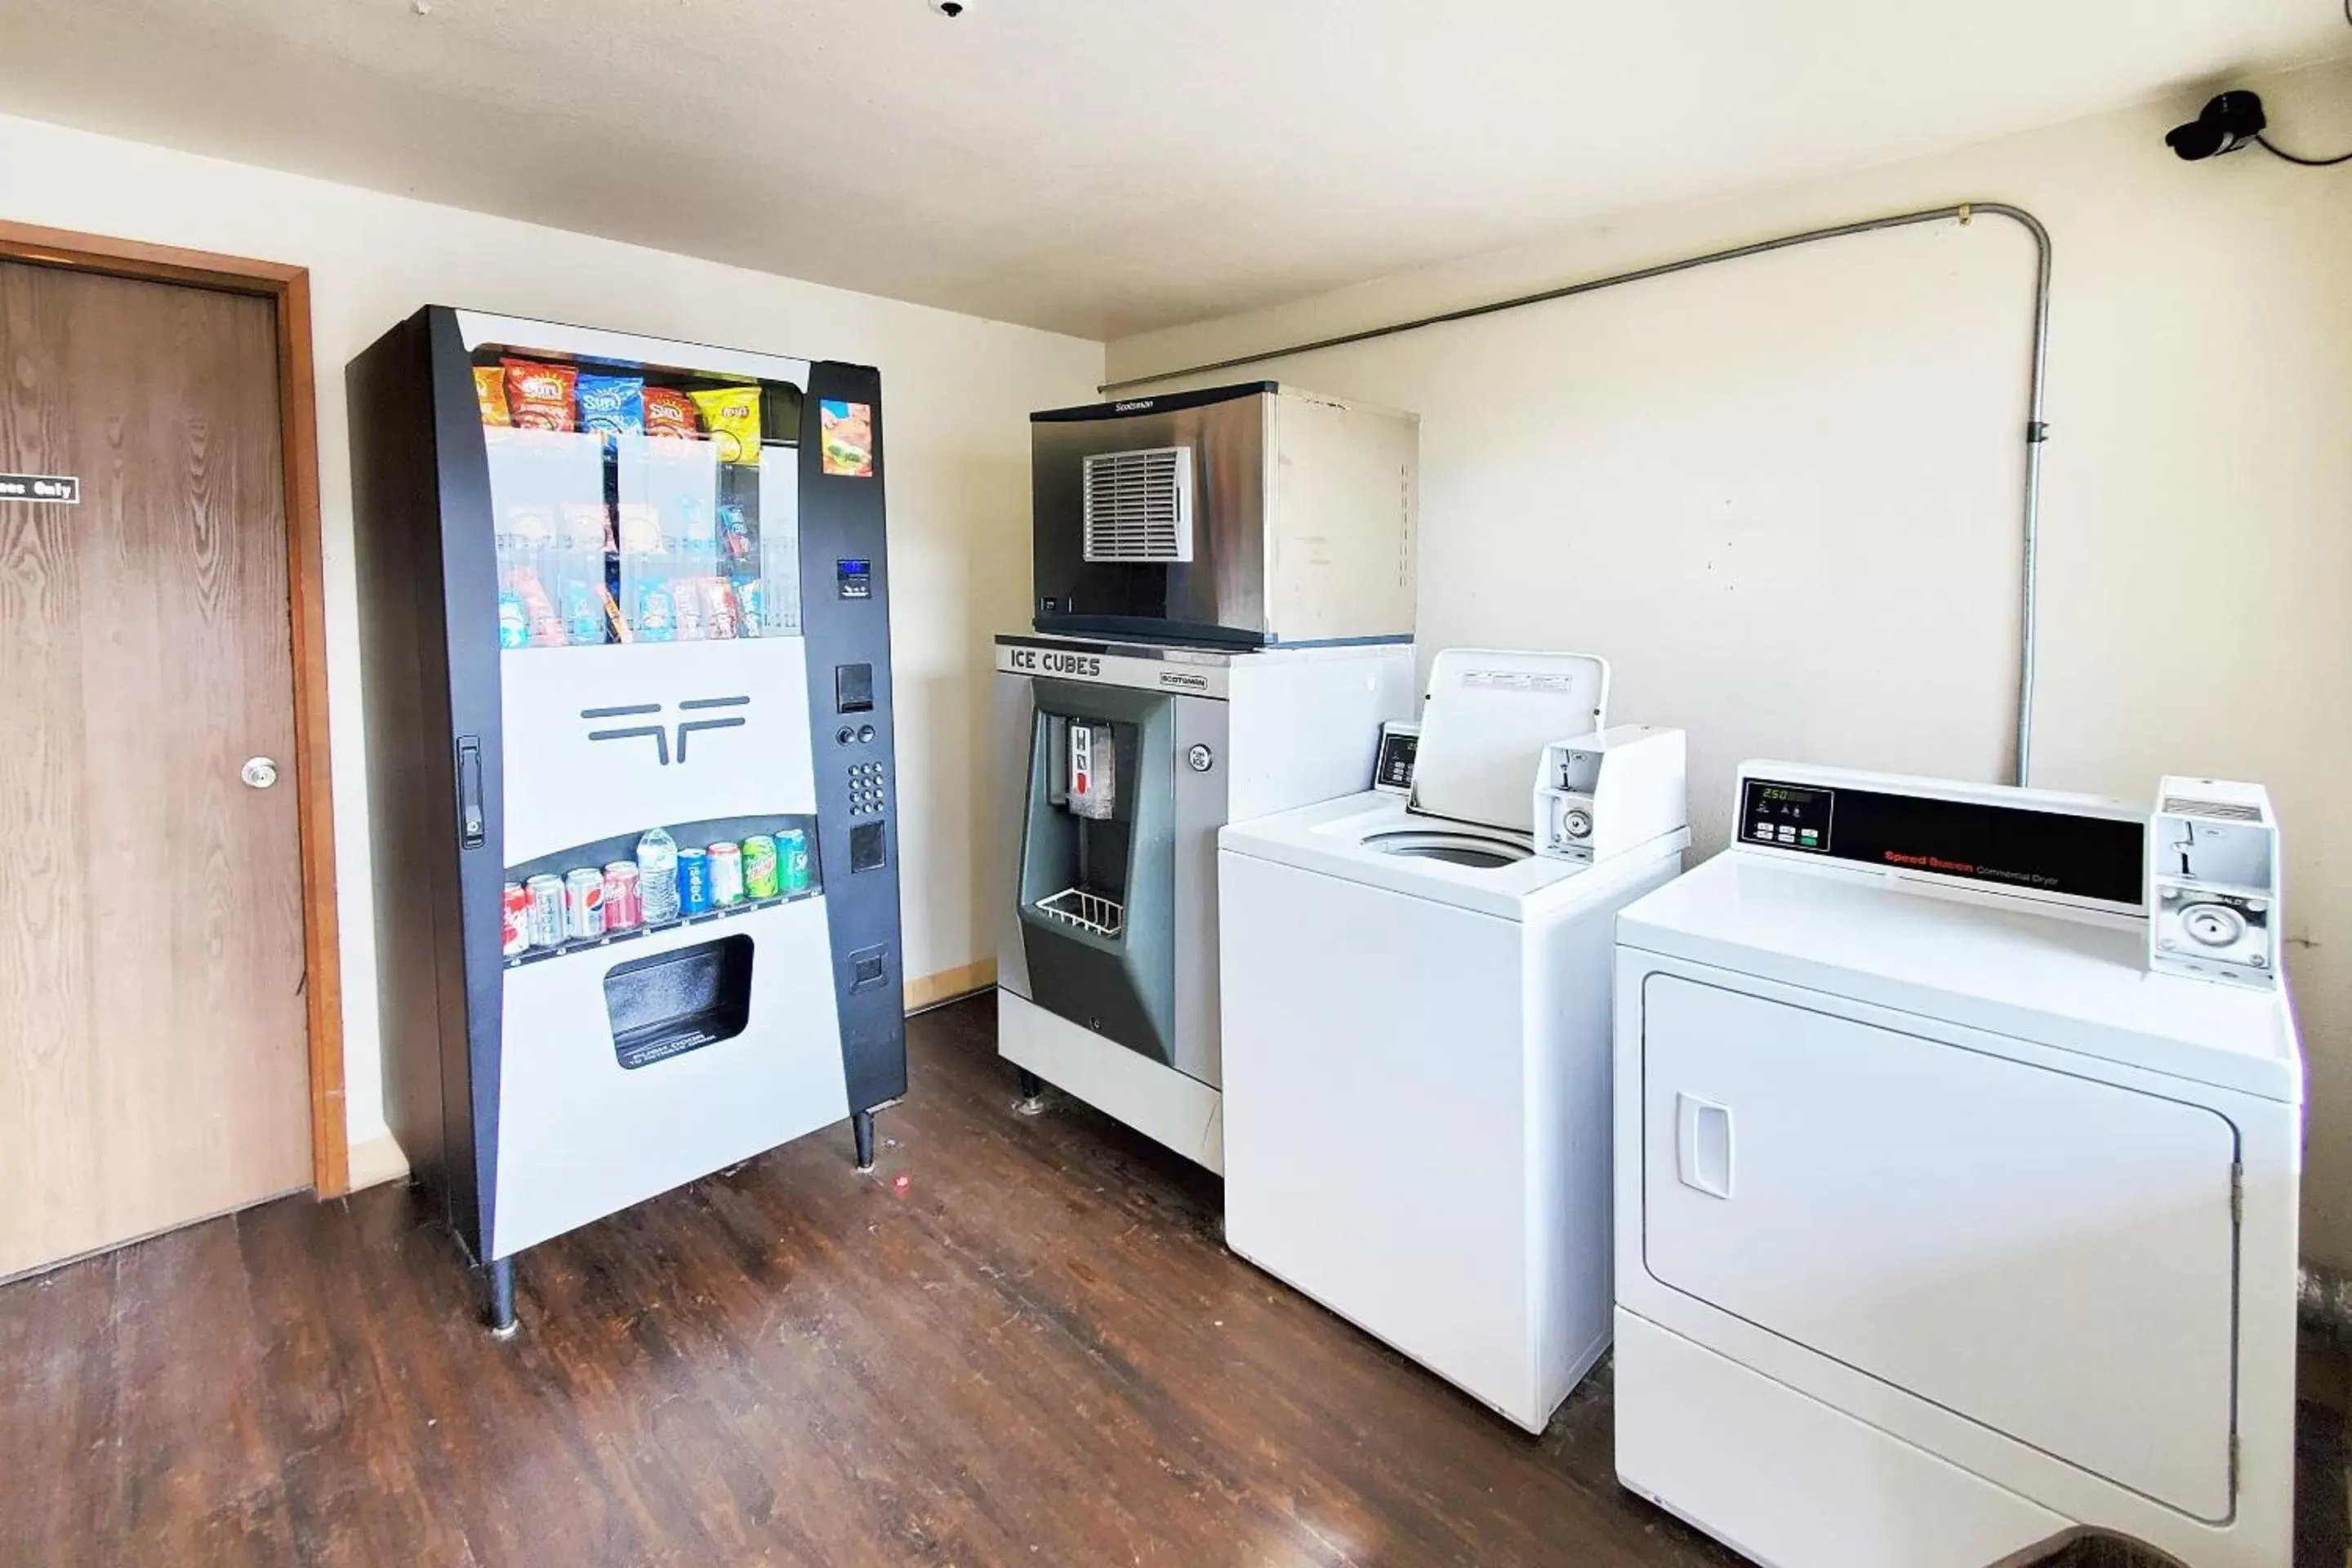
(1139, 505)
(2216, 810)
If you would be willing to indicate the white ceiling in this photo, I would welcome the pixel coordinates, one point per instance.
(1102, 166)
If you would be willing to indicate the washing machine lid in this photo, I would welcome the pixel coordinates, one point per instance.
(1376, 839)
(2074, 981)
(1484, 722)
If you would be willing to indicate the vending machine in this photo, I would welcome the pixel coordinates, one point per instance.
(624, 606)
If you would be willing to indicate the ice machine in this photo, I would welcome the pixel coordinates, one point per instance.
(624, 619)
(1249, 516)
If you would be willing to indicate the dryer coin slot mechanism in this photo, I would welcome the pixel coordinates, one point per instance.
(672, 1003)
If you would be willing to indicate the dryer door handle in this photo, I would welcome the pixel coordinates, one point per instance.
(1703, 1145)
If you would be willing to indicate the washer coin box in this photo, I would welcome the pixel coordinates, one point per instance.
(1602, 794)
(1392, 763)
(2213, 882)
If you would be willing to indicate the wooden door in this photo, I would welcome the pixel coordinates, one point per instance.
(152, 1065)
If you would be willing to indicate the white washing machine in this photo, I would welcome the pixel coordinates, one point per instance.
(1415, 1014)
(1944, 1229)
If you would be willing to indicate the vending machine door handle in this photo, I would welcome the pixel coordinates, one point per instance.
(473, 830)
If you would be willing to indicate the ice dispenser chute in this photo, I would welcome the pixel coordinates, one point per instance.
(1097, 862)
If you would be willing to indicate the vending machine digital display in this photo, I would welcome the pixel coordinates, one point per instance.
(625, 605)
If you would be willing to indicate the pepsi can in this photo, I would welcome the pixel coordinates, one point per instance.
(693, 882)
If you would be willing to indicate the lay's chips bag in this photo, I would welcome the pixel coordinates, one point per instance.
(731, 415)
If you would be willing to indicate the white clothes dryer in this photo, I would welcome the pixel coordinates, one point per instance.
(1415, 1015)
(1944, 1229)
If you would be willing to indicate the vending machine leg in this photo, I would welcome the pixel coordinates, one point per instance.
(1033, 1094)
(501, 1314)
(862, 1123)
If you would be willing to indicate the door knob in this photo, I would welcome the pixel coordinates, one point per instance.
(258, 772)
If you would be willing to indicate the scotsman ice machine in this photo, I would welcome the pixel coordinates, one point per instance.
(1249, 516)
(628, 674)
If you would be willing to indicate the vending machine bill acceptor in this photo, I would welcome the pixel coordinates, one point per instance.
(625, 612)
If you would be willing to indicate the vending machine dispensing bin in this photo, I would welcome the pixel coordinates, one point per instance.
(624, 610)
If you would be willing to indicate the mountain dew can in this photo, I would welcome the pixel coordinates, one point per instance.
(762, 871)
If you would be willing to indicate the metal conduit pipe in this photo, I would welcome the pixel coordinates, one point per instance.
(2036, 429)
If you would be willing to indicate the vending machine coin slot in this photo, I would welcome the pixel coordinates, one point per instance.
(869, 967)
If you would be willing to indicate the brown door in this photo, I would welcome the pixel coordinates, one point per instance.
(152, 1065)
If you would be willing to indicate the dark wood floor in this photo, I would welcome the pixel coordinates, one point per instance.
(1016, 1342)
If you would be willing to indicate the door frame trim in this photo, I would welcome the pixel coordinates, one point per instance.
(289, 291)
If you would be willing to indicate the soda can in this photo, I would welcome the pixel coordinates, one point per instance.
(517, 904)
(792, 857)
(762, 874)
(583, 903)
(693, 882)
(546, 922)
(726, 873)
(624, 909)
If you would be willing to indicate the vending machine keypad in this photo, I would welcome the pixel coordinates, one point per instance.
(866, 793)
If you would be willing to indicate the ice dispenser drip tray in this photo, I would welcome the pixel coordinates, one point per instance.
(676, 1002)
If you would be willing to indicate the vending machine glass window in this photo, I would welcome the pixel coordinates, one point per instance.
(634, 504)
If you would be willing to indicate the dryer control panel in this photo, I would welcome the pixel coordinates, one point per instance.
(2030, 847)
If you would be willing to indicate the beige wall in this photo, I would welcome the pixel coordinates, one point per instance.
(958, 392)
(1782, 495)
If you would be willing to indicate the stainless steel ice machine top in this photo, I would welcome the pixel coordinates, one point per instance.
(1245, 516)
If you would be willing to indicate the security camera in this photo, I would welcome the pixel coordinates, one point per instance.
(2223, 125)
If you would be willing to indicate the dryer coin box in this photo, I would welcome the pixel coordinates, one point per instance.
(2213, 882)
(1604, 793)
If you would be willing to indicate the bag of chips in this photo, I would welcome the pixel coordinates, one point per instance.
(732, 414)
(612, 405)
(587, 527)
(719, 609)
(640, 532)
(669, 412)
(538, 611)
(539, 396)
(490, 392)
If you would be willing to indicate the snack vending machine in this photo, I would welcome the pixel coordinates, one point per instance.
(625, 612)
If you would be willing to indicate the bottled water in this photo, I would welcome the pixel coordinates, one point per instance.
(657, 876)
